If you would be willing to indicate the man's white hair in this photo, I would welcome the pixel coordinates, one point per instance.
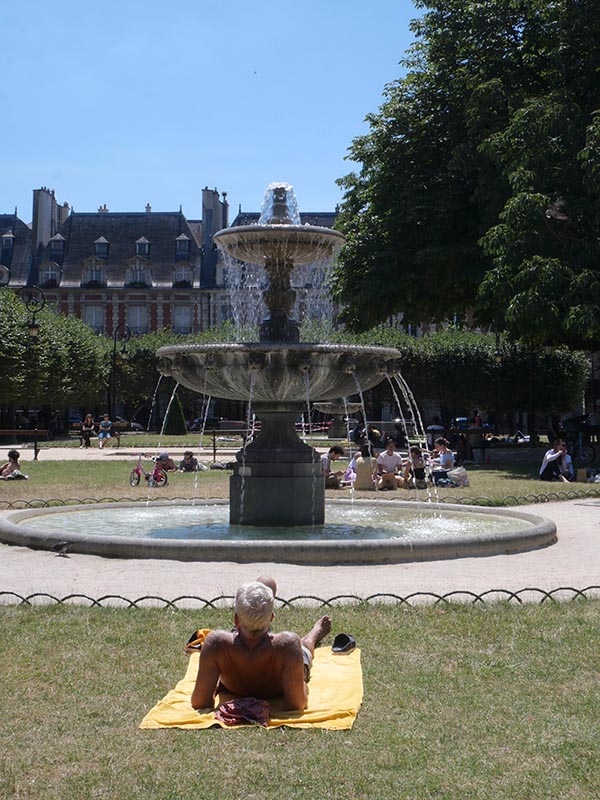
(254, 607)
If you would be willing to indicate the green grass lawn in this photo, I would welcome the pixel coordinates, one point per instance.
(105, 479)
(460, 703)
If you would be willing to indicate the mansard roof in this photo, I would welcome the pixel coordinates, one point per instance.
(122, 231)
(20, 252)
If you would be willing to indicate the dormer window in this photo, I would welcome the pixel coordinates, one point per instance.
(94, 276)
(57, 246)
(142, 247)
(50, 276)
(182, 247)
(182, 276)
(101, 248)
(138, 274)
(7, 241)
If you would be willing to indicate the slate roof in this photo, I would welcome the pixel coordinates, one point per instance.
(20, 257)
(122, 231)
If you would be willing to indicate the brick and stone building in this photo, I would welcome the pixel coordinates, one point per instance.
(148, 269)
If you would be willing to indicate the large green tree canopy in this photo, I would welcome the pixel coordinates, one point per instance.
(479, 179)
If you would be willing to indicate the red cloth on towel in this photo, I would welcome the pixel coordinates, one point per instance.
(244, 711)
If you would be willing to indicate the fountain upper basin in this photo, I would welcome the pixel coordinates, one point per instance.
(298, 244)
(277, 373)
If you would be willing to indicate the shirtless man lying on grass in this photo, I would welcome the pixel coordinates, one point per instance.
(253, 662)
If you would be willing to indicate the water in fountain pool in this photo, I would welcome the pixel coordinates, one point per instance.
(210, 522)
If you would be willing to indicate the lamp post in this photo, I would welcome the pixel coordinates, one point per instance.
(34, 299)
(498, 357)
(122, 333)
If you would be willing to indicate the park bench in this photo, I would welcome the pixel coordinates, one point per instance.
(20, 433)
(75, 430)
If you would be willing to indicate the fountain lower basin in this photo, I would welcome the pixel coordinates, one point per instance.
(355, 532)
(277, 373)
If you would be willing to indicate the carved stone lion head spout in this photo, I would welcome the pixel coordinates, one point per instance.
(165, 366)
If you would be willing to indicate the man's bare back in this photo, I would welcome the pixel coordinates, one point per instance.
(269, 667)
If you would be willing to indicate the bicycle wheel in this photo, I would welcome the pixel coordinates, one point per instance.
(134, 478)
(586, 454)
(160, 477)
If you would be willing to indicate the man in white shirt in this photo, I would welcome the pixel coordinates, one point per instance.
(389, 467)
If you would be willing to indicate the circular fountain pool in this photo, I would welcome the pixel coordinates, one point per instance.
(354, 532)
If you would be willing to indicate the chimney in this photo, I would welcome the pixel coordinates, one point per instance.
(225, 219)
(148, 208)
(63, 212)
(44, 215)
(103, 209)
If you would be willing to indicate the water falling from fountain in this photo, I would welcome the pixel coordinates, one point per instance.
(153, 404)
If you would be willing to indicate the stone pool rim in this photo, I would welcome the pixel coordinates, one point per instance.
(541, 533)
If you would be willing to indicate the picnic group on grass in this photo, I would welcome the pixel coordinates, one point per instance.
(389, 469)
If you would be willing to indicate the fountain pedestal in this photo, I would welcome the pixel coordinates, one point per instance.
(277, 479)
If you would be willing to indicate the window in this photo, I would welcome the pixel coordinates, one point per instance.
(137, 275)
(182, 246)
(101, 248)
(94, 274)
(7, 241)
(142, 247)
(57, 246)
(50, 275)
(139, 319)
(182, 319)
(94, 317)
(182, 276)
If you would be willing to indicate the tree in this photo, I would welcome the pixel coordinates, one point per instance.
(64, 365)
(460, 370)
(174, 424)
(479, 181)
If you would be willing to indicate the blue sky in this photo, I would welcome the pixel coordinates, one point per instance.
(131, 102)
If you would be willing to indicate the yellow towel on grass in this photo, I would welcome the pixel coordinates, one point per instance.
(333, 700)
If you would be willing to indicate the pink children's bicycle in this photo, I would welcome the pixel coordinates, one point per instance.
(156, 477)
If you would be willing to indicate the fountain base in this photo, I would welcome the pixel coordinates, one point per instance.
(277, 479)
(285, 493)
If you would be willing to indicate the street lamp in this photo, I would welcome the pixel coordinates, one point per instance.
(122, 333)
(34, 299)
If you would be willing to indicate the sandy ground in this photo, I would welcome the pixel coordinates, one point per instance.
(574, 561)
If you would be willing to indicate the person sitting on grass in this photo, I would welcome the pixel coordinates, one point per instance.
(551, 463)
(442, 460)
(251, 661)
(567, 470)
(366, 470)
(11, 466)
(389, 464)
(189, 463)
(332, 477)
(163, 461)
(414, 469)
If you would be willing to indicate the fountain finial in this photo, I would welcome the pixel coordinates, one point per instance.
(280, 206)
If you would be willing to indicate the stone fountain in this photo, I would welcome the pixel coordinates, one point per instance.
(277, 478)
(277, 486)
